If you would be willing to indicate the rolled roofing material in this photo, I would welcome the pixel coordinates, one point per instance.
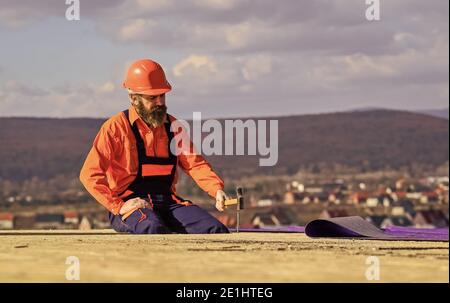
(357, 227)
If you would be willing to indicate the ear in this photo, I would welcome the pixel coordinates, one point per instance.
(133, 99)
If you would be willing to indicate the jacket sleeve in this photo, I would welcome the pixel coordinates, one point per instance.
(200, 170)
(202, 173)
(93, 172)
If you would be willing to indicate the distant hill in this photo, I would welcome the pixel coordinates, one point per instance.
(367, 140)
(440, 113)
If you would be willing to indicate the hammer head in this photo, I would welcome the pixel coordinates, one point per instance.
(240, 197)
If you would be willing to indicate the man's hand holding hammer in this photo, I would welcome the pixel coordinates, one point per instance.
(223, 201)
(221, 196)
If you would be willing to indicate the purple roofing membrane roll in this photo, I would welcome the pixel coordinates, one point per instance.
(438, 234)
(357, 227)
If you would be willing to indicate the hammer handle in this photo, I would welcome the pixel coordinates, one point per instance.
(231, 202)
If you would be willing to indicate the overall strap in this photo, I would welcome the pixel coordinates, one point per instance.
(170, 135)
(140, 142)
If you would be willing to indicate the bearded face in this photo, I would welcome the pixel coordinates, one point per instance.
(153, 115)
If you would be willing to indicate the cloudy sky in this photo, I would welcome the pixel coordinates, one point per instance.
(225, 58)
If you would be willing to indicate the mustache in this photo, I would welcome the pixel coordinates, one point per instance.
(158, 108)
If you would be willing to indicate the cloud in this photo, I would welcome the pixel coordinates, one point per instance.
(200, 75)
(230, 26)
(19, 99)
(216, 4)
(233, 28)
(413, 66)
(136, 29)
(154, 5)
(15, 87)
(255, 55)
(256, 67)
(200, 65)
(18, 14)
(107, 87)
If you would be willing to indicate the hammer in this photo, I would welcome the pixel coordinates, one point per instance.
(239, 201)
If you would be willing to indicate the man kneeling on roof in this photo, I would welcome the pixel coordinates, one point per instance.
(132, 171)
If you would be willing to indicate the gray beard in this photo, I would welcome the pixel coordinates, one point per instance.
(155, 117)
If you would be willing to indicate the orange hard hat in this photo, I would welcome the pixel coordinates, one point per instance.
(146, 77)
